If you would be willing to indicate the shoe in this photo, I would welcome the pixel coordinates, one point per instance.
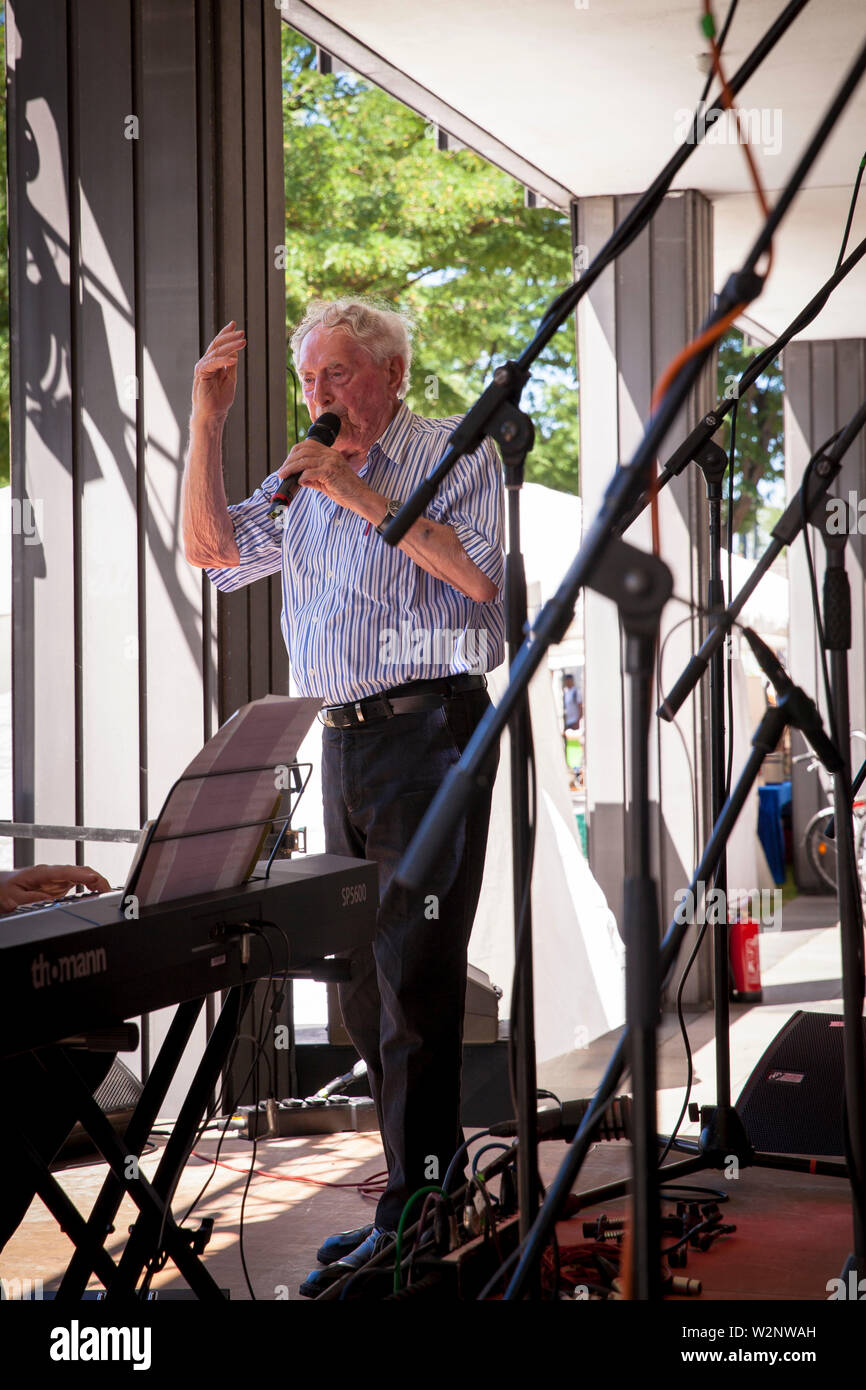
(335, 1247)
(321, 1279)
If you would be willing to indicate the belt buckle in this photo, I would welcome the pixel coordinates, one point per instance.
(327, 720)
(359, 713)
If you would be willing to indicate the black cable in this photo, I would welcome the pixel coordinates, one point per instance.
(453, 1165)
(720, 43)
(557, 1268)
(761, 362)
(729, 770)
(795, 181)
(159, 1260)
(522, 937)
(694, 608)
(500, 1273)
(263, 1021)
(485, 1148)
(430, 1201)
(686, 1044)
(254, 1039)
(701, 934)
(491, 1233)
(496, 1167)
(214, 1107)
(672, 1193)
(643, 211)
(763, 359)
(813, 585)
(707, 1225)
(854, 197)
(477, 420)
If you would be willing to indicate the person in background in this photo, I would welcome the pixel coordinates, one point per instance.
(570, 703)
(572, 720)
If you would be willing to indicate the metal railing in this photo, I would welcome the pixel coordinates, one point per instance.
(23, 830)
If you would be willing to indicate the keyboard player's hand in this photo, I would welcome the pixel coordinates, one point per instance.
(46, 881)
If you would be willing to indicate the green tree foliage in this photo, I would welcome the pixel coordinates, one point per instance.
(374, 207)
(760, 462)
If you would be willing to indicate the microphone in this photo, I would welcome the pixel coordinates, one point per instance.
(804, 712)
(325, 431)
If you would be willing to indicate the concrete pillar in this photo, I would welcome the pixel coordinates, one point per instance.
(825, 382)
(633, 321)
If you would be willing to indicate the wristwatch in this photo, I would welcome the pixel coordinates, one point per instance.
(394, 505)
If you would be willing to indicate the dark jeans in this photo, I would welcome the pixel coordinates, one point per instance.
(404, 1004)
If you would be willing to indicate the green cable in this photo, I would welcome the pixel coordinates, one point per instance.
(422, 1192)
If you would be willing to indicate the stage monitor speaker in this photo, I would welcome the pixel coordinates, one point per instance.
(792, 1102)
(117, 1098)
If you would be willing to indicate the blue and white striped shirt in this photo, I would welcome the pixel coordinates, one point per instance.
(360, 616)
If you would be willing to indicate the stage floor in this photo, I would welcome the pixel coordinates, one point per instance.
(793, 1230)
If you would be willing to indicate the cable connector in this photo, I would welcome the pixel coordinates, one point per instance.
(742, 287)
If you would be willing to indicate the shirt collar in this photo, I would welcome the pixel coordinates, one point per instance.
(393, 438)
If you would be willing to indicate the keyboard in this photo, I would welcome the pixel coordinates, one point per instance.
(80, 964)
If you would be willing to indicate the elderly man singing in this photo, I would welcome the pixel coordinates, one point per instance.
(395, 642)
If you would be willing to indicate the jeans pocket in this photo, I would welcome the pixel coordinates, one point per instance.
(452, 724)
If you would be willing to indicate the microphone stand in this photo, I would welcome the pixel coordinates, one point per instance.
(823, 468)
(516, 435)
(550, 626)
(641, 585)
(795, 709)
(478, 422)
(837, 641)
(728, 1136)
(697, 440)
(722, 1131)
(497, 414)
(622, 492)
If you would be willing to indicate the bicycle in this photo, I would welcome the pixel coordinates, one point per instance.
(819, 846)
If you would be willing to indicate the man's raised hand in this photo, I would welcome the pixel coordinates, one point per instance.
(216, 373)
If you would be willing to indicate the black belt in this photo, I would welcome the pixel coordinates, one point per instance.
(403, 699)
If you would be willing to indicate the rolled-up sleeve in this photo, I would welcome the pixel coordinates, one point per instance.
(471, 500)
(259, 540)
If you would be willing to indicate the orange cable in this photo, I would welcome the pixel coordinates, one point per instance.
(712, 334)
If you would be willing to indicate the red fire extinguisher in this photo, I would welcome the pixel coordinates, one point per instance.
(745, 960)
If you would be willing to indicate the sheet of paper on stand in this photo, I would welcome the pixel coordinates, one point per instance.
(211, 828)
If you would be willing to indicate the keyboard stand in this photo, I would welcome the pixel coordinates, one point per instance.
(155, 1231)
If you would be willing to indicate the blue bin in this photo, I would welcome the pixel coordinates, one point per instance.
(771, 799)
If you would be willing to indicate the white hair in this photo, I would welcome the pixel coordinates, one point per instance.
(382, 332)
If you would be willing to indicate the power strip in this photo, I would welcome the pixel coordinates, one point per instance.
(288, 1118)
